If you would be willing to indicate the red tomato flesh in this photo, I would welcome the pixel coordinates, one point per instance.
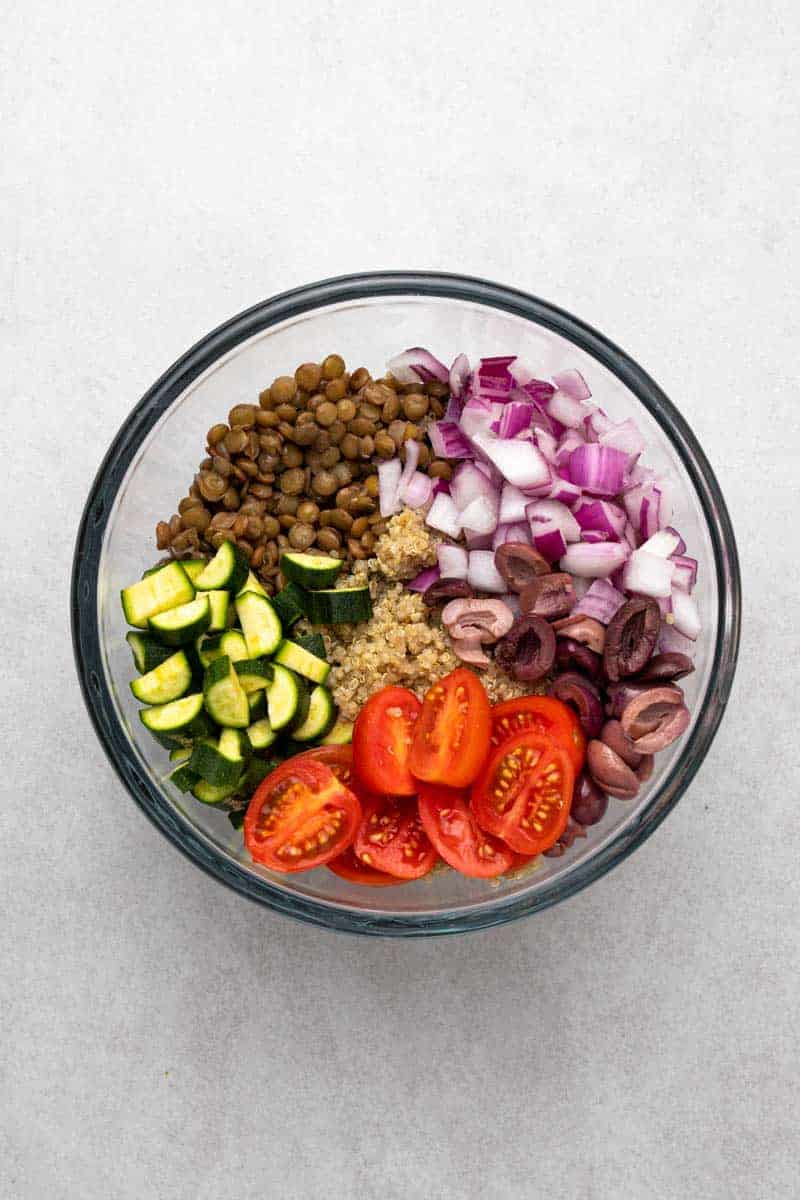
(348, 867)
(544, 715)
(382, 738)
(523, 794)
(456, 835)
(451, 736)
(390, 838)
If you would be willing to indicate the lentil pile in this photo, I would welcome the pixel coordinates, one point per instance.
(298, 470)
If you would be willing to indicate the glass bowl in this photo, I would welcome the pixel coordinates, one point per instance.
(367, 318)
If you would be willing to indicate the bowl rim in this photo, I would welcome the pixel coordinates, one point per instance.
(220, 341)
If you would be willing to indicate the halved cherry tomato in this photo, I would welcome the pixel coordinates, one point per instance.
(338, 758)
(390, 838)
(451, 737)
(300, 816)
(347, 866)
(458, 838)
(382, 741)
(540, 714)
(523, 794)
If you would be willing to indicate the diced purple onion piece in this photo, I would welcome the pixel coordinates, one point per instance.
(570, 412)
(421, 582)
(573, 383)
(389, 474)
(663, 543)
(416, 365)
(442, 514)
(513, 503)
(597, 469)
(648, 575)
(594, 561)
(684, 574)
(601, 602)
(549, 540)
(482, 574)
(541, 511)
(418, 490)
(686, 615)
(458, 375)
(601, 515)
(626, 437)
(448, 441)
(452, 561)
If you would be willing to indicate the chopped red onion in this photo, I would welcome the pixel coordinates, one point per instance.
(459, 375)
(596, 423)
(568, 442)
(573, 383)
(597, 535)
(482, 574)
(511, 533)
(684, 573)
(421, 582)
(513, 503)
(663, 544)
(594, 561)
(418, 490)
(468, 483)
(672, 642)
(601, 601)
(563, 408)
(448, 441)
(416, 365)
(477, 541)
(685, 615)
(549, 540)
(600, 515)
(551, 510)
(648, 508)
(648, 575)
(493, 378)
(480, 515)
(626, 437)
(681, 546)
(412, 458)
(518, 462)
(664, 605)
(441, 485)
(545, 442)
(389, 474)
(452, 561)
(637, 477)
(597, 469)
(442, 514)
(515, 419)
(564, 491)
(538, 390)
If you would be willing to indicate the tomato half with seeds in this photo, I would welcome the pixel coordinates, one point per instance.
(300, 816)
(382, 738)
(523, 795)
(540, 714)
(348, 867)
(456, 835)
(451, 737)
(391, 838)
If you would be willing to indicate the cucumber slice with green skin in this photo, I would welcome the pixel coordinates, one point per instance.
(234, 645)
(168, 681)
(314, 643)
(260, 624)
(228, 569)
(219, 603)
(257, 770)
(258, 704)
(261, 734)
(182, 775)
(254, 673)
(283, 697)
(320, 719)
(338, 606)
(340, 735)
(183, 624)
(147, 651)
(166, 588)
(178, 719)
(208, 647)
(193, 567)
(290, 654)
(208, 793)
(251, 584)
(224, 697)
(223, 762)
(288, 604)
(310, 570)
(303, 700)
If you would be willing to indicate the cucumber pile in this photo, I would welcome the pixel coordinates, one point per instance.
(227, 689)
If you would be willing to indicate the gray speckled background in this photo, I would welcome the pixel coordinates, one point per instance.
(164, 167)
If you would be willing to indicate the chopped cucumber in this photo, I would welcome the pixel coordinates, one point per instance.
(314, 643)
(170, 680)
(338, 606)
(180, 719)
(283, 697)
(208, 647)
(224, 697)
(219, 603)
(301, 712)
(234, 645)
(292, 655)
(320, 718)
(254, 673)
(147, 651)
(183, 624)
(257, 702)
(257, 770)
(288, 605)
(340, 735)
(223, 762)
(193, 567)
(208, 793)
(251, 584)
(260, 624)
(182, 775)
(228, 569)
(261, 734)
(166, 588)
(310, 570)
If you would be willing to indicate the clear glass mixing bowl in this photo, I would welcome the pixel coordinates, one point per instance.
(367, 318)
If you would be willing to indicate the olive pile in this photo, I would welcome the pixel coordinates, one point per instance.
(298, 471)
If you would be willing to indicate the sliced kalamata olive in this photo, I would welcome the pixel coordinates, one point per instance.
(528, 649)
(645, 712)
(574, 830)
(619, 695)
(667, 667)
(572, 655)
(673, 723)
(442, 590)
(581, 694)
(615, 736)
(589, 804)
(645, 768)
(631, 637)
(583, 629)
(551, 596)
(610, 772)
(519, 565)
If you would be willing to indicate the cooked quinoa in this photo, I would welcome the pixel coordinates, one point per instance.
(407, 546)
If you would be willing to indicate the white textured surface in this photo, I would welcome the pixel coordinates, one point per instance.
(165, 166)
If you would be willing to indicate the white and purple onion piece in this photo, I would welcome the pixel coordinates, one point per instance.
(518, 462)
(573, 383)
(549, 540)
(553, 510)
(452, 561)
(482, 574)
(648, 575)
(516, 532)
(566, 410)
(594, 561)
(513, 503)
(626, 437)
(685, 615)
(442, 514)
(448, 441)
(417, 365)
(597, 469)
(663, 544)
(458, 375)
(418, 490)
(421, 582)
(389, 475)
(601, 601)
(600, 515)
(684, 573)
